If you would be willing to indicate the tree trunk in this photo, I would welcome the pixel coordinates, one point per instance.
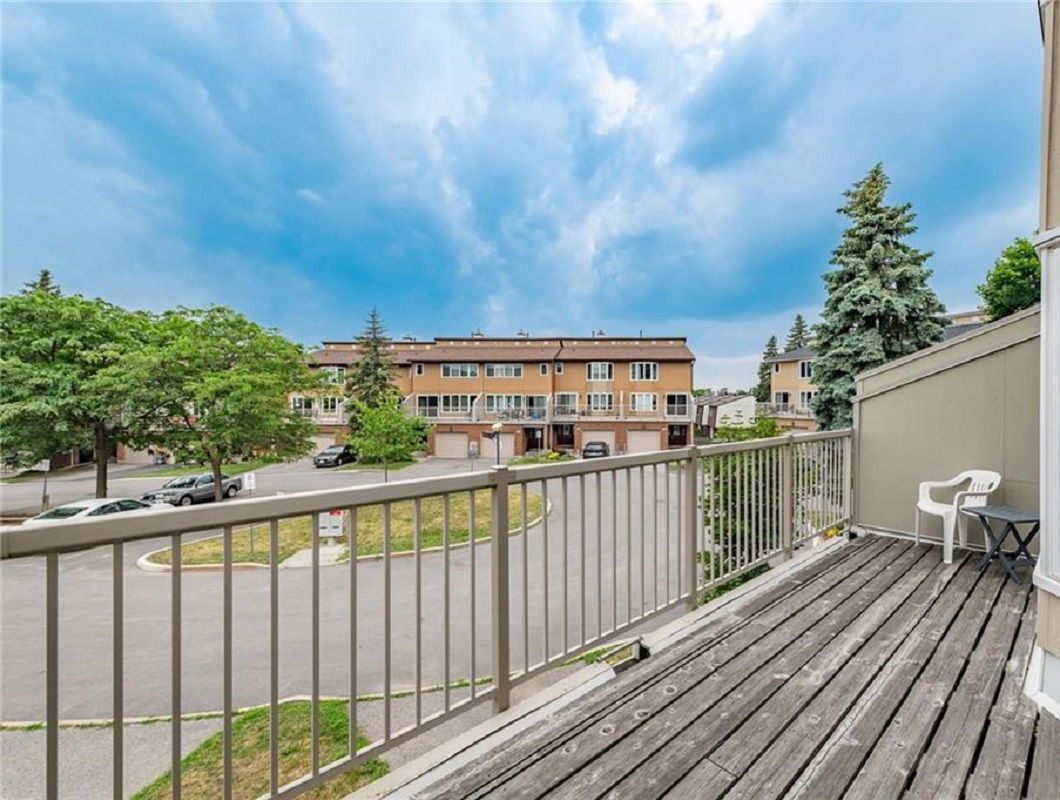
(102, 458)
(218, 489)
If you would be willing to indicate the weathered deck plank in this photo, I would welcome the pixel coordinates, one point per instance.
(748, 624)
(666, 747)
(1003, 758)
(882, 673)
(796, 754)
(702, 684)
(943, 768)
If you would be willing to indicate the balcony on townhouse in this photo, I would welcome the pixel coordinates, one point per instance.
(784, 410)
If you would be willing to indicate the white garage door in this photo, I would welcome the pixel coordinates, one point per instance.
(643, 441)
(488, 447)
(450, 445)
(607, 437)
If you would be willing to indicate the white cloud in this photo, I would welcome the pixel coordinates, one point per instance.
(310, 196)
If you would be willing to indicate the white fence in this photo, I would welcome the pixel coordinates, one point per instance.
(616, 541)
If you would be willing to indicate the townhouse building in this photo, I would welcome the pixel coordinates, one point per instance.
(548, 393)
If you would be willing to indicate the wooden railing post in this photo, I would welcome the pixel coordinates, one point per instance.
(499, 605)
(691, 465)
(787, 497)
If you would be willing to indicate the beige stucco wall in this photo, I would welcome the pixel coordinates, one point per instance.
(970, 403)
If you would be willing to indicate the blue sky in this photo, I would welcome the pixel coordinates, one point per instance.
(558, 168)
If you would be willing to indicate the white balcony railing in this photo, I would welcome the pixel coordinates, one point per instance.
(783, 410)
(616, 542)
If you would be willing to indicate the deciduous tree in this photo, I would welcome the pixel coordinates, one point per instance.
(1014, 282)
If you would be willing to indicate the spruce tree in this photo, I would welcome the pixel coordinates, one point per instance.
(879, 304)
(762, 388)
(44, 283)
(799, 334)
(369, 380)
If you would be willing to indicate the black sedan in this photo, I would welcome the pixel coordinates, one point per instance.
(596, 450)
(335, 456)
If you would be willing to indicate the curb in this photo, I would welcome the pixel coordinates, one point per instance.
(144, 562)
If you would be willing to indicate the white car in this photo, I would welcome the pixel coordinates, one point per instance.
(92, 507)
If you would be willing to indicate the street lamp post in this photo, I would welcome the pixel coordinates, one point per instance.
(497, 427)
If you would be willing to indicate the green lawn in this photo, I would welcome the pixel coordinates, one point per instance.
(541, 458)
(194, 469)
(202, 768)
(294, 533)
(391, 467)
(25, 476)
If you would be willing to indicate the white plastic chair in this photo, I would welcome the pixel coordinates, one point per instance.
(981, 484)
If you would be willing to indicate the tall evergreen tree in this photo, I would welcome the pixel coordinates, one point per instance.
(44, 283)
(761, 391)
(799, 334)
(879, 304)
(370, 379)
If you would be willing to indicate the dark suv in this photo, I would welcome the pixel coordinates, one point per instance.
(334, 456)
(596, 450)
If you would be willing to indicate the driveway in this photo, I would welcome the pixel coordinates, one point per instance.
(85, 623)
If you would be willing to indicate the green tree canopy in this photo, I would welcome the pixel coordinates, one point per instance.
(879, 304)
(226, 381)
(63, 375)
(370, 378)
(1014, 282)
(799, 335)
(761, 391)
(385, 434)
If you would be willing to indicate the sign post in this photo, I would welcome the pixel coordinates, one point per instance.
(331, 525)
(248, 483)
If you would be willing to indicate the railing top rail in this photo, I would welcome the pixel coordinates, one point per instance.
(18, 540)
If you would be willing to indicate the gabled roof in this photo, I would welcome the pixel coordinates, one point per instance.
(720, 399)
(797, 354)
(626, 352)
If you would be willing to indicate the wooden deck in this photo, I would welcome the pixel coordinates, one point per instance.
(875, 672)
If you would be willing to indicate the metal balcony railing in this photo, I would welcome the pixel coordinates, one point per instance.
(578, 553)
(783, 410)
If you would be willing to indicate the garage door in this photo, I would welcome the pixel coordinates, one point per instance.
(450, 445)
(488, 447)
(643, 441)
(607, 437)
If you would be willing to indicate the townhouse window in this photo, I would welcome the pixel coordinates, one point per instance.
(459, 370)
(781, 398)
(566, 402)
(457, 403)
(600, 371)
(806, 397)
(298, 403)
(601, 401)
(329, 405)
(643, 401)
(677, 404)
(333, 374)
(503, 402)
(776, 367)
(542, 369)
(427, 405)
(419, 370)
(644, 371)
(559, 367)
(805, 369)
(504, 370)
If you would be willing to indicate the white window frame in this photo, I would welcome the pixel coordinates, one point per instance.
(512, 402)
(298, 403)
(504, 370)
(572, 406)
(462, 369)
(806, 369)
(778, 401)
(592, 368)
(419, 369)
(776, 366)
(542, 368)
(593, 400)
(462, 406)
(330, 404)
(686, 403)
(559, 367)
(644, 370)
(806, 397)
(336, 375)
(636, 399)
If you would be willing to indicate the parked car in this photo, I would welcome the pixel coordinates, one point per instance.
(92, 507)
(188, 489)
(596, 450)
(334, 456)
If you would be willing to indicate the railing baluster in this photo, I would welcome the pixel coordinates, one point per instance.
(679, 475)
(655, 535)
(447, 669)
(643, 544)
(226, 603)
(386, 622)
(566, 610)
(500, 622)
(666, 515)
(629, 547)
(544, 571)
(526, 586)
(614, 550)
(581, 556)
(472, 581)
(274, 654)
(175, 576)
(599, 559)
(51, 603)
(353, 631)
(118, 661)
(417, 512)
(315, 641)
(692, 471)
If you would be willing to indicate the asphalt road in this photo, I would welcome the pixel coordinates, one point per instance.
(85, 607)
